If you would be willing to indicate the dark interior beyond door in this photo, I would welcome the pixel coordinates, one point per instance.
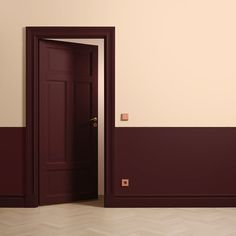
(68, 109)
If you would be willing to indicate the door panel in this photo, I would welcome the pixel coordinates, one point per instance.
(57, 100)
(82, 117)
(60, 59)
(85, 61)
(67, 139)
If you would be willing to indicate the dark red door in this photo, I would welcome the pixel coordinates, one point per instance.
(68, 90)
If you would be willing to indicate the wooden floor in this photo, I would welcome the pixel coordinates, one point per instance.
(90, 219)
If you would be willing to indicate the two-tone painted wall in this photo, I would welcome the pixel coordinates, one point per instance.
(175, 67)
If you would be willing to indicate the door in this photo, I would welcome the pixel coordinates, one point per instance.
(68, 108)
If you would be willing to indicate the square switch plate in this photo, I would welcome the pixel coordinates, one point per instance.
(124, 116)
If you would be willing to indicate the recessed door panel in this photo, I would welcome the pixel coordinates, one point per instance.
(83, 128)
(56, 132)
(83, 107)
(60, 59)
(85, 60)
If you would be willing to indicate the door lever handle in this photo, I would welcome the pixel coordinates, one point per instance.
(94, 119)
(94, 122)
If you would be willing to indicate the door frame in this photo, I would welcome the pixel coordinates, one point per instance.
(33, 35)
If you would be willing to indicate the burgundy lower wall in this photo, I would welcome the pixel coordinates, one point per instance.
(166, 167)
(12, 148)
(175, 167)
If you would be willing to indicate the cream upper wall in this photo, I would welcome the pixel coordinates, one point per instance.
(175, 60)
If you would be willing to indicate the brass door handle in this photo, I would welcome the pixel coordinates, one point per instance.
(94, 119)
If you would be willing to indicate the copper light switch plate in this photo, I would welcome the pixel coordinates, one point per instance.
(124, 116)
(125, 182)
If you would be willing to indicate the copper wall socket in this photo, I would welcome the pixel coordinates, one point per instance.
(125, 182)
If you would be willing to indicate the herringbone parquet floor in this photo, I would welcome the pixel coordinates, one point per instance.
(90, 219)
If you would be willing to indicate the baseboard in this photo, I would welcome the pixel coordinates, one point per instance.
(12, 201)
(197, 201)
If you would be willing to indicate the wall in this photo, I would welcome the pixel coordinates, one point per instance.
(176, 57)
(175, 67)
(12, 145)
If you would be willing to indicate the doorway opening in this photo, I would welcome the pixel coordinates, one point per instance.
(100, 115)
(72, 35)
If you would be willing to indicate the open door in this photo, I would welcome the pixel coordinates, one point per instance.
(68, 134)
